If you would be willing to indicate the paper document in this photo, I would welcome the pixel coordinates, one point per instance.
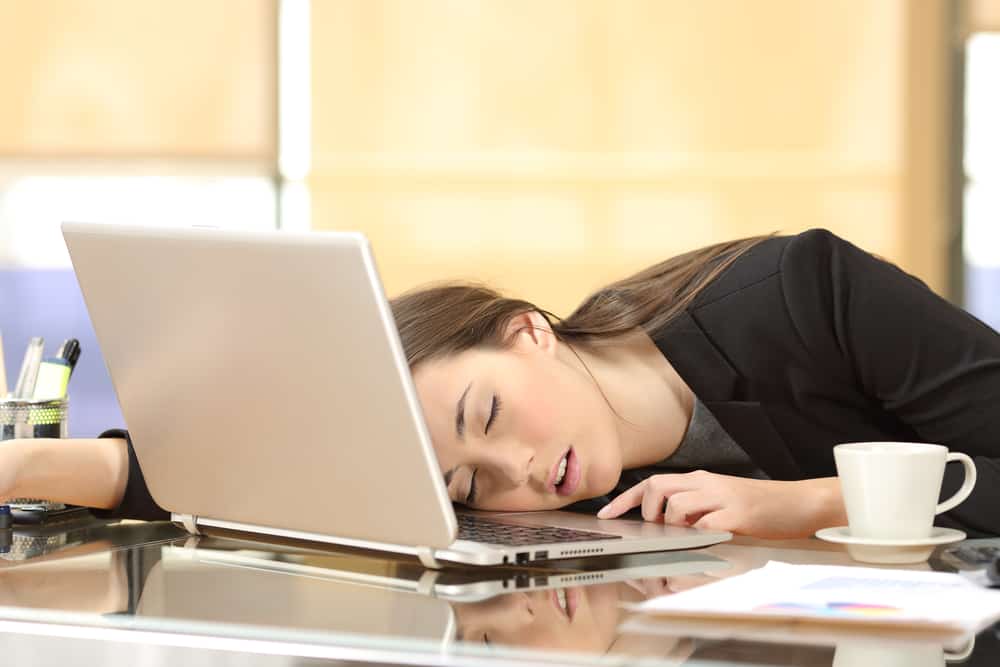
(837, 595)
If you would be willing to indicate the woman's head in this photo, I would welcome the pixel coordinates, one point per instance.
(516, 418)
(506, 401)
(580, 619)
(584, 618)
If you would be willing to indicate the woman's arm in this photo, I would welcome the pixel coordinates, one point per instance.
(921, 360)
(88, 472)
(764, 508)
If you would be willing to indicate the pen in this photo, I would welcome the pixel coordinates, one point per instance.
(25, 386)
(3, 371)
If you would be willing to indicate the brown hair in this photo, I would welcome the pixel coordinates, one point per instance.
(445, 319)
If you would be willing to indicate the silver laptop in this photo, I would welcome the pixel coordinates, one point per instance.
(265, 389)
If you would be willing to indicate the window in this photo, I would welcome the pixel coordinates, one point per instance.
(981, 220)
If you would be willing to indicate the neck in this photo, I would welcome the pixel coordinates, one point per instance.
(652, 402)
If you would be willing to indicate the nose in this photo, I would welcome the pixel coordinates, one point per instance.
(513, 460)
(518, 609)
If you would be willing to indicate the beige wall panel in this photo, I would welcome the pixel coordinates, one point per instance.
(418, 240)
(982, 15)
(648, 227)
(557, 246)
(138, 78)
(764, 76)
(926, 226)
(550, 147)
(455, 75)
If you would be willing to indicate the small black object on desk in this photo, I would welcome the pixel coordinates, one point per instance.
(6, 524)
(993, 572)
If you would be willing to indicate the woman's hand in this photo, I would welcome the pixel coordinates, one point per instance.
(760, 508)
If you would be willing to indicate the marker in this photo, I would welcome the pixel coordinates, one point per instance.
(6, 519)
(70, 352)
(25, 386)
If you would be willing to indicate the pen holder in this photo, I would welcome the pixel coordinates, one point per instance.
(25, 418)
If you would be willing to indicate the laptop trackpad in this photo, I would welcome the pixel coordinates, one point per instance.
(577, 521)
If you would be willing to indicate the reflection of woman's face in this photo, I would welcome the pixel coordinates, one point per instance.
(584, 618)
(503, 421)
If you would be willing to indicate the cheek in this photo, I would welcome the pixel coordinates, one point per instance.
(522, 499)
(550, 405)
(536, 418)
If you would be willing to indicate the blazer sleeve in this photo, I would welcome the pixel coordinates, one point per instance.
(136, 502)
(922, 360)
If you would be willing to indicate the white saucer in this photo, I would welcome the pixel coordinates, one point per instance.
(872, 550)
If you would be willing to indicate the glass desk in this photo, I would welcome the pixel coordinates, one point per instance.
(93, 591)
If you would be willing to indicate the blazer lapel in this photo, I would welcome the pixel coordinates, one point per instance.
(697, 360)
(723, 391)
(747, 423)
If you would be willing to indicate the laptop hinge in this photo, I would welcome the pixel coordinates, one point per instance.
(425, 585)
(189, 521)
(427, 559)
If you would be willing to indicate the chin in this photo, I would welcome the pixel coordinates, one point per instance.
(603, 481)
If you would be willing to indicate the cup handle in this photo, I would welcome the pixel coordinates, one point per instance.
(970, 481)
(963, 654)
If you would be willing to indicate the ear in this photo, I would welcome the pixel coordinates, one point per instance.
(530, 330)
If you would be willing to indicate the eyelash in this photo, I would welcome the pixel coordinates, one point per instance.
(494, 411)
(495, 407)
(470, 498)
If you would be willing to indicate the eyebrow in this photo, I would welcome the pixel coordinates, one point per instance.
(460, 413)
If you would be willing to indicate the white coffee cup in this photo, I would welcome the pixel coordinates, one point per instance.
(891, 489)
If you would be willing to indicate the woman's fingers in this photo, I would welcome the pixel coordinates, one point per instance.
(686, 507)
(763, 508)
(653, 500)
(651, 493)
(723, 519)
(624, 501)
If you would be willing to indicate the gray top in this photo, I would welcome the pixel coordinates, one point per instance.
(706, 445)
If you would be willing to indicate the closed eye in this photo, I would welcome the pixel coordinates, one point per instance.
(494, 411)
(470, 497)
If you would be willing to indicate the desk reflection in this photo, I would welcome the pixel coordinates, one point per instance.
(155, 571)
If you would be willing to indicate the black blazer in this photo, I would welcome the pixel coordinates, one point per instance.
(806, 342)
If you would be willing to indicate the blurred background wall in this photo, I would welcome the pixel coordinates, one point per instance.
(550, 147)
(125, 111)
(543, 146)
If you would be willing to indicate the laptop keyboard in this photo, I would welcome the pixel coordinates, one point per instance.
(479, 529)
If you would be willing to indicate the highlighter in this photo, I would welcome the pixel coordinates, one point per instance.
(53, 379)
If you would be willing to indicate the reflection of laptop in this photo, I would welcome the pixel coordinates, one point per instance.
(263, 383)
(348, 593)
(458, 584)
